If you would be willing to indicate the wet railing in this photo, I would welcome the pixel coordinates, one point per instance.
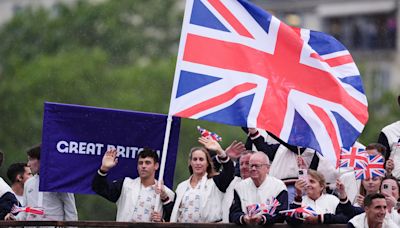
(139, 225)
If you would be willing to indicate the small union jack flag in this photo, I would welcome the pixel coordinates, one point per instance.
(271, 206)
(353, 157)
(374, 168)
(206, 133)
(253, 209)
(300, 212)
(31, 210)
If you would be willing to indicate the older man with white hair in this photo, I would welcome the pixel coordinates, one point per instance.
(260, 188)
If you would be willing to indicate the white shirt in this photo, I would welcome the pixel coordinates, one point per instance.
(228, 198)
(360, 221)
(394, 216)
(351, 185)
(56, 205)
(129, 199)
(145, 204)
(210, 198)
(4, 187)
(250, 194)
(189, 211)
(19, 198)
(325, 204)
(392, 133)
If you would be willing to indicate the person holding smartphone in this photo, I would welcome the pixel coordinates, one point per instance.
(390, 189)
(310, 192)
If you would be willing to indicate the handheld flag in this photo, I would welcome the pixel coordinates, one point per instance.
(300, 212)
(239, 65)
(269, 207)
(253, 209)
(374, 168)
(206, 133)
(353, 157)
(31, 210)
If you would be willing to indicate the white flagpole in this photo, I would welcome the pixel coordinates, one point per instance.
(165, 148)
(163, 157)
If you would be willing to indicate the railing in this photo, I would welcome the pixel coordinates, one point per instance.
(139, 225)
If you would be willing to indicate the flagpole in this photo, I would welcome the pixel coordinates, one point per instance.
(165, 148)
(164, 156)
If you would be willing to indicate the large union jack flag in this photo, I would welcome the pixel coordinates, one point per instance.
(353, 157)
(374, 168)
(239, 65)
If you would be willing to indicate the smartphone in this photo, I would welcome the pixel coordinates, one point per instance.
(386, 188)
(303, 175)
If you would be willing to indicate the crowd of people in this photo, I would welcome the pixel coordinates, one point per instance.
(24, 191)
(261, 181)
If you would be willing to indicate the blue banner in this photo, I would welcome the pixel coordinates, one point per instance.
(75, 139)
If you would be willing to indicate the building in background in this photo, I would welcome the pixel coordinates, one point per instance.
(8, 8)
(368, 28)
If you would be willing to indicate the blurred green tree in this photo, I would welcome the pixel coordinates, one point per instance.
(129, 31)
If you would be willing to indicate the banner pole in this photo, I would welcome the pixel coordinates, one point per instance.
(164, 156)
